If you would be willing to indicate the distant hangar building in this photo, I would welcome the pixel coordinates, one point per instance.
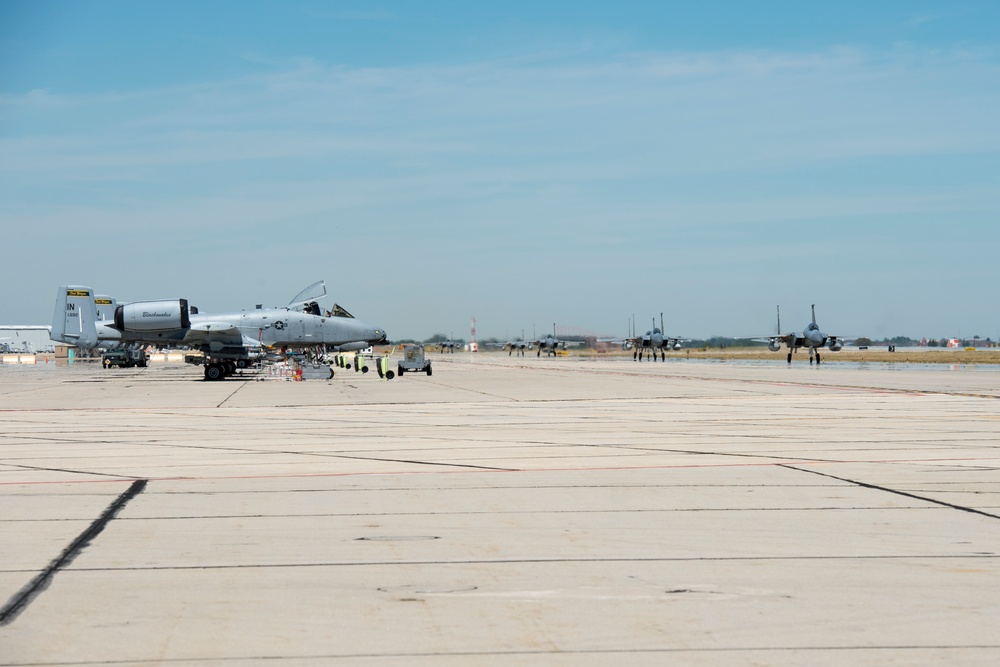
(25, 339)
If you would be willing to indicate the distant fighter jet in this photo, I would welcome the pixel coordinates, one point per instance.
(652, 340)
(228, 340)
(811, 337)
(449, 345)
(520, 345)
(550, 343)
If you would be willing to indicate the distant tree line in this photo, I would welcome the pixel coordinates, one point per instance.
(722, 342)
(975, 341)
(863, 341)
(904, 341)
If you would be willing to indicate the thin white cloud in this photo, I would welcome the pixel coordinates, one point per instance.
(841, 101)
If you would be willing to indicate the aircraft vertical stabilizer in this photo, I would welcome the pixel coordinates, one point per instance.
(74, 319)
(105, 306)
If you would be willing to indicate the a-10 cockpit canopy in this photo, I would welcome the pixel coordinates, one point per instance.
(337, 311)
(306, 301)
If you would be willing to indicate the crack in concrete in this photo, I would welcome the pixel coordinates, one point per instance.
(20, 601)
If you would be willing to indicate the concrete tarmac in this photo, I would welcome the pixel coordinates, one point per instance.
(504, 511)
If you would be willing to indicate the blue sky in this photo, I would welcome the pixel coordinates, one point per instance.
(573, 162)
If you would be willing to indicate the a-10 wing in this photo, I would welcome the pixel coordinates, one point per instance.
(222, 338)
(209, 333)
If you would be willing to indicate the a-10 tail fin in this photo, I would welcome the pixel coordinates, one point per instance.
(75, 316)
(105, 306)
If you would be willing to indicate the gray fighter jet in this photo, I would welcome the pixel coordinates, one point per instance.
(550, 344)
(449, 345)
(652, 340)
(811, 337)
(228, 340)
(520, 345)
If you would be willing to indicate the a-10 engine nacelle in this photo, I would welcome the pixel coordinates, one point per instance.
(153, 315)
(835, 345)
(774, 345)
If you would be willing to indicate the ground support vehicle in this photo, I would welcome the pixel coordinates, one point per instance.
(125, 357)
(414, 360)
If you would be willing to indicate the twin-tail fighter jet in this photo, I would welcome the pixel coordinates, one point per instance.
(550, 344)
(449, 345)
(228, 340)
(652, 340)
(520, 345)
(811, 337)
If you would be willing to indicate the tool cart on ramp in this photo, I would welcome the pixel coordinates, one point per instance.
(414, 360)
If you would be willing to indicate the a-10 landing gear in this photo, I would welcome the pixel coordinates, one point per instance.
(218, 370)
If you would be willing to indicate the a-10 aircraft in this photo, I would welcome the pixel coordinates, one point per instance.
(228, 340)
(811, 337)
(652, 340)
